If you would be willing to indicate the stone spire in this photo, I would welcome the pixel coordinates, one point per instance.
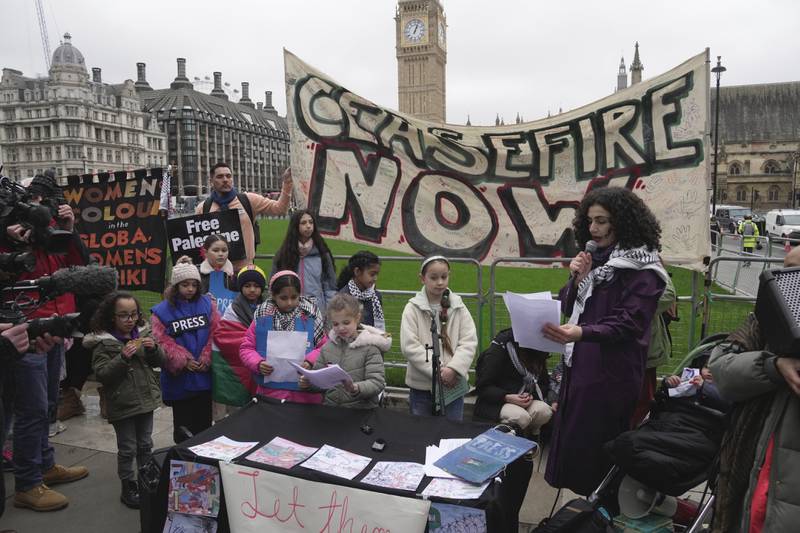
(245, 99)
(468, 122)
(517, 121)
(141, 78)
(218, 91)
(622, 75)
(497, 120)
(636, 67)
(181, 81)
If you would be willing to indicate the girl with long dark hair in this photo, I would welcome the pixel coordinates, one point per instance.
(304, 251)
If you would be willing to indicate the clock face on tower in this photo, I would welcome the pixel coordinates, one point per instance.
(414, 30)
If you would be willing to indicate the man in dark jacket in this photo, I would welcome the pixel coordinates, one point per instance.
(37, 373)
(758, 487)
(513, 385)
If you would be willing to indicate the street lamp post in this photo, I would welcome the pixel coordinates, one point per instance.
(795, 159)
(718, 70)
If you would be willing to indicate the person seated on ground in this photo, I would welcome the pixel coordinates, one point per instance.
(513, 385)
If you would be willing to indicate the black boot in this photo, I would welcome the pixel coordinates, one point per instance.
(130, 493)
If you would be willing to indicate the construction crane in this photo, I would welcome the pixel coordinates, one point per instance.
(43, 31)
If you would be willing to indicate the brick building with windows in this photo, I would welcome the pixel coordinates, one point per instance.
(203, 129)
(73, 123)
(759, 145)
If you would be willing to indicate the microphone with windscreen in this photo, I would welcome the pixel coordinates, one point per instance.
(589, 248)
(90, 280)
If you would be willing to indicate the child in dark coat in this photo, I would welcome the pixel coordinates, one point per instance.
(513, 385)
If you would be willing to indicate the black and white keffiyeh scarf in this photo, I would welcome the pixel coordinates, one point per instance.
(634, 259)
(529, 383)
(285, 321)
(369, 296)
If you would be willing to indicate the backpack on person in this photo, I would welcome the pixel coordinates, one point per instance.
(748, 229)
(248, 208)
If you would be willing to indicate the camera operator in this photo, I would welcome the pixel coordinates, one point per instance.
(758, 487)
(36, 376)
(13, 344)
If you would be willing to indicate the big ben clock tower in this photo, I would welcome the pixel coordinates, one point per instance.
(421, 58)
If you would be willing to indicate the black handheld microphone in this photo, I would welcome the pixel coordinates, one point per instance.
(590, 247)
(80, 280)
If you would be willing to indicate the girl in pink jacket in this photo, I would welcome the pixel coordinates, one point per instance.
(285, 310)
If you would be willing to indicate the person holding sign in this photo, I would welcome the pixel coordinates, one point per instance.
(267, 349)
(457, 334)
(233, 384)
(225, 196)
(183, 325)
(358, 349)
(611, 299)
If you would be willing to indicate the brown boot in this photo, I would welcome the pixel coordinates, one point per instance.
(40, 498)
(63, 474)
(71, 404)
(103, 407)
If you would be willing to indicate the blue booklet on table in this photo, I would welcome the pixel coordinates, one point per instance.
(484, 456)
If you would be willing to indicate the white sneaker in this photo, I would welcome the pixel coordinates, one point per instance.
(56, 428)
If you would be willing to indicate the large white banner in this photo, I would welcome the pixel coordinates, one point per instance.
(380, 177)
(261, 501)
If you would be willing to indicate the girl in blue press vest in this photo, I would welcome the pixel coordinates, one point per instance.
(285, 310)
(183, 325)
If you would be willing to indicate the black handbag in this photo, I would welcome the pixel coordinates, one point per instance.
(577, 516)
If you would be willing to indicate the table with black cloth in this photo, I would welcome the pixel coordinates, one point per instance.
(406, 438)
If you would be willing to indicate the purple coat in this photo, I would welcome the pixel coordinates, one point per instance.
(599, 392)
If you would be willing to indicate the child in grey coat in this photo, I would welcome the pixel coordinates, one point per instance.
(358, 349)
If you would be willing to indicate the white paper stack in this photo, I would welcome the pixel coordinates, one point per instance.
(433, 453)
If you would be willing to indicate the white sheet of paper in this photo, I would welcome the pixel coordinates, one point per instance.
(223, 448)
(685, 388)
(455, 489)
(546, 295)
(433, 453)
(528, 317)
(282, 348)
(324, 378)
(395, 475)
(337, 462)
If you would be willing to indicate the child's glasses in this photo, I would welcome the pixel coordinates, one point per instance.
(127, 316)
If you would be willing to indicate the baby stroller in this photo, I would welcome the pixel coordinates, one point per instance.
(677, 447)
(673, 451)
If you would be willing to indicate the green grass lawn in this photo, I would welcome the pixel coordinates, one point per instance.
(398, 275)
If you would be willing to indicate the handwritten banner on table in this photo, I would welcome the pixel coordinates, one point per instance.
(259, 501)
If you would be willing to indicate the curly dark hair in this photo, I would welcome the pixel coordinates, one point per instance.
(103, 318)
(633, 223)
(288, 256)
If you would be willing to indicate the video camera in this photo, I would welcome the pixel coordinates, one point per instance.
(16, 207)
(17, 303)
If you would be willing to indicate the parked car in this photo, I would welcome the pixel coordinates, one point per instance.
(729, 217)
(782, 222)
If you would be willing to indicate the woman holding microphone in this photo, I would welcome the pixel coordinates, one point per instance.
(610, 299)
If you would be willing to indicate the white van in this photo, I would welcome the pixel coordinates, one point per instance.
(781, 222)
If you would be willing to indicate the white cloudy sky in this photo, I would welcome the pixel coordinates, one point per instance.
(504, 56)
